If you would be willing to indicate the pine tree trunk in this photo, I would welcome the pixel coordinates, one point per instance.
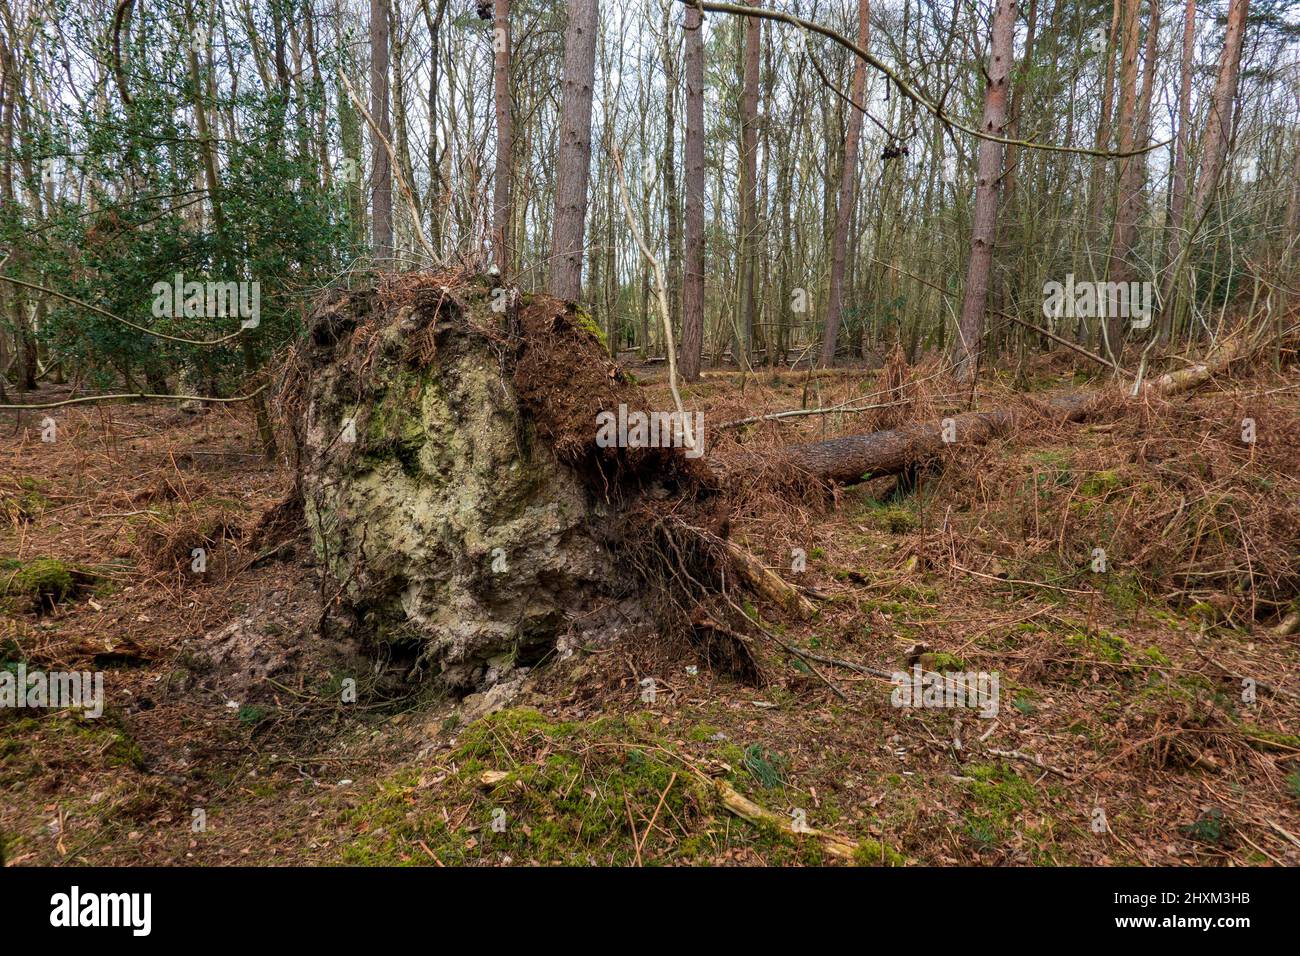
(501, 191)
(1130, 168)
(574, 166)
(1096, 189)
(848, 196)
(692, 345)
(1218, 128)
(1178, 189)
(670, 175)
(1214, 144)
(381, 210)
(749, 187)
(984, 227)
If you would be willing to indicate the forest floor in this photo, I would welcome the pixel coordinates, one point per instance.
(1148, 713)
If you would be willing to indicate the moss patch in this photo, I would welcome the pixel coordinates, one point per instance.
(518, 785)
(41, 582)
(26, 502)
(582, 320)
(998, 797)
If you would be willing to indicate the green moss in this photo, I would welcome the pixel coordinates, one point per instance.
(912, 593)
(28, 502)
(703, 733)
(560, 792)
(892, 518)
(732, 754)
(124, 752)
(569, 794)
(1269, 739)
(1100, 483)
(1205, 613)
(1122, 591)
(998, 796)
(582, 320)
(1208, 827)
(250, 715)
(1101, 645)
(44, 581)
(943, 662)
(875, 853)
(894, 608)
(1156, 656)
(33, 742)
(1052, 458)
(394, 428)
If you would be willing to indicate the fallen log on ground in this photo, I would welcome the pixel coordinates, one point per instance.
(855, 458)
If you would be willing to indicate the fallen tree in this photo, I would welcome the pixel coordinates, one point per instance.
(854, 458)
(469, 520)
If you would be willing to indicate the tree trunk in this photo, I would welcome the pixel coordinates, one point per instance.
(855, 458)
(670, 174)
(1130, 169)
(435, 198)
(1178, 189)
(693, 292)
(226, 257)
(381, 172)
(574, 166)
(24, 337)
(501, 191)
(1214, 151)
(1096, 191)
(1218, 124)
(984, 227)
(1012, 158)
(848, 192)
(749, 187)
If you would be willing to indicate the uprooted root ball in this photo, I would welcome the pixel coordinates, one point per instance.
(453, 486)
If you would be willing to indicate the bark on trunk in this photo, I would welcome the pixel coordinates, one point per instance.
(749, 188)
(670, 174)
(501, 189)
(1126, 207)
(1096, 192)
(574, 170)
(693, 291)
(856, 458)
(381, 212)
(984, 229)
(1178, 189)
(1218, 129)
(848, 193)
